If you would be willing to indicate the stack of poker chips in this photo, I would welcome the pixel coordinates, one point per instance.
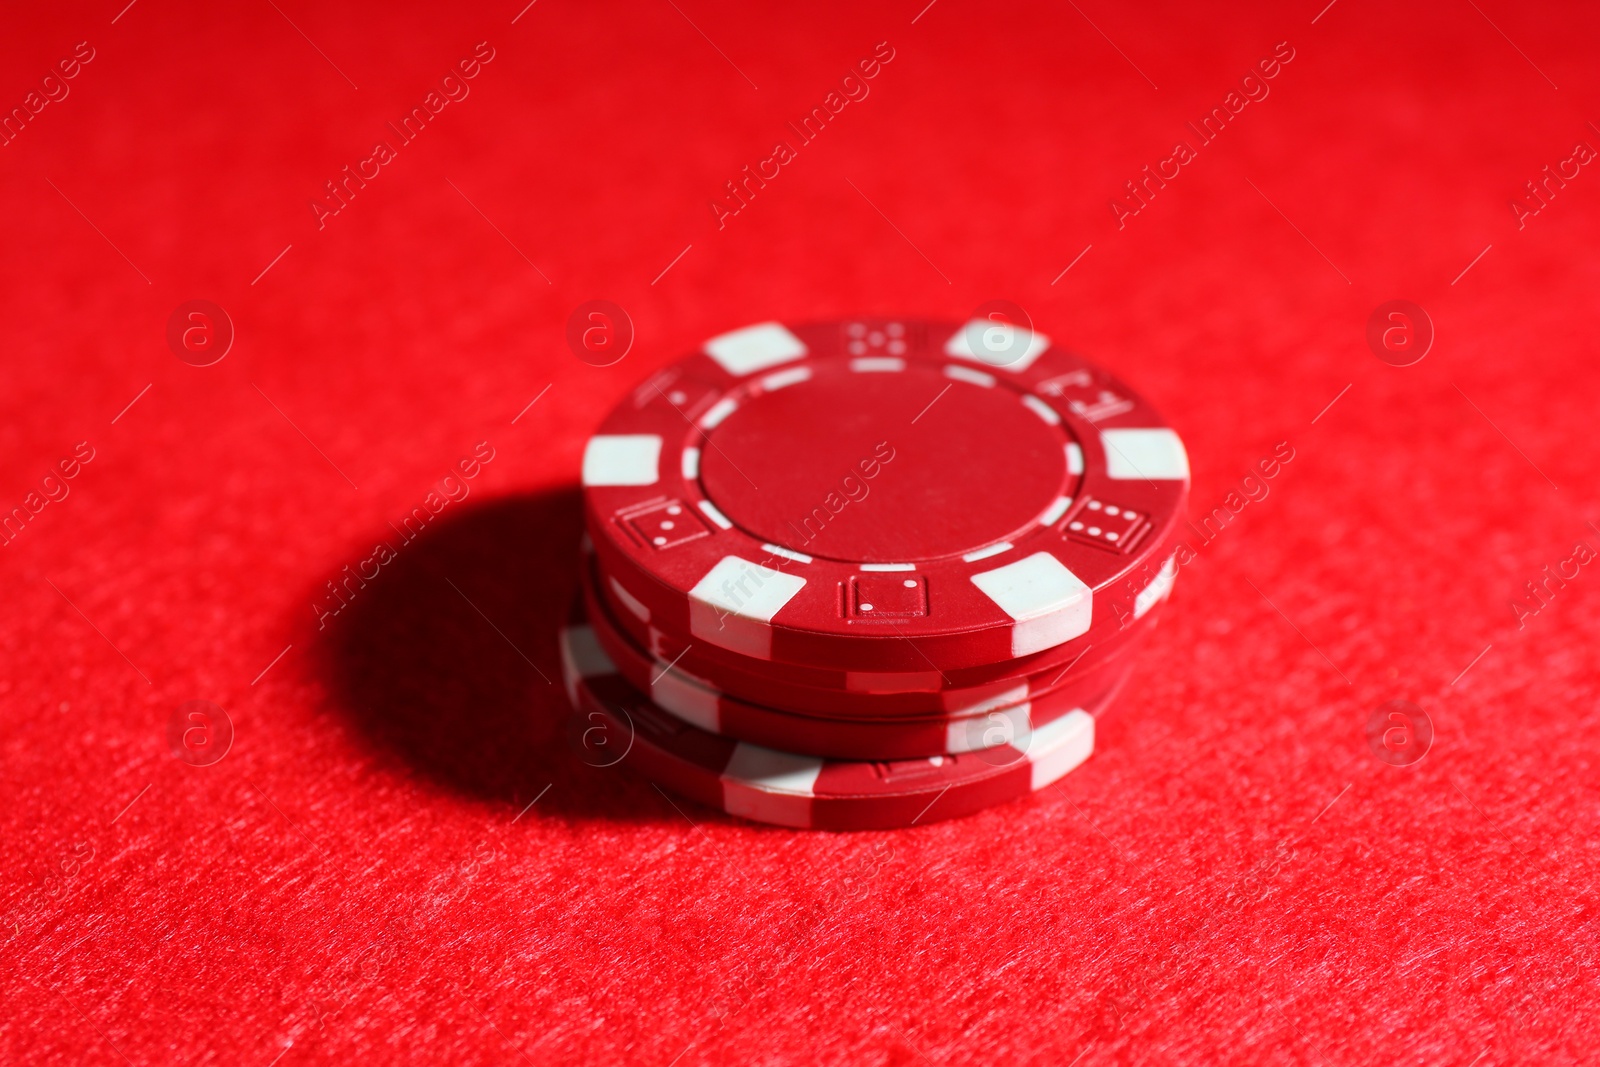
(868, 574)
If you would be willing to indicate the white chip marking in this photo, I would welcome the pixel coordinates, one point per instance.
(1137, 455)
(732, 606)
(888, 566)
(582, 657)
(754, 348)
(767, 768)
(1074, 458)
(691, 463)
(770, 786)
(952, 701)
(622, 459)
(985, 553)
(1055, 511)
(634, 605)
(588, 657)
(779, 550)
(1159, 588)
(773, 382)
(719, 411)
(877, 365)
(1049, 603)
(674, 693)
(967, 374)
(714, 515)
(1041, 409)
(1057, 747)
(1007, 726)
(747, 589)
(1016, 348)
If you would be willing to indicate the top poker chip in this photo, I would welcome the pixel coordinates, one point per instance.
(881, 495)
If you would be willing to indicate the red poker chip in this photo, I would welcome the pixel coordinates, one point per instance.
(695, 702)
(876, 497)
(850, 694)
(786, 789)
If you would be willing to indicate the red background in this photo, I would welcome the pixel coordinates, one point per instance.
(1232, 877)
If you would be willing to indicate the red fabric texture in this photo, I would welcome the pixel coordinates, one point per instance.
(1233, 876)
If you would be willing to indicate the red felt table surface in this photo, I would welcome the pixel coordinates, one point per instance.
(1233, 877)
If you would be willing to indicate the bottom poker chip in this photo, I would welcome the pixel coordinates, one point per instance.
(807, 792)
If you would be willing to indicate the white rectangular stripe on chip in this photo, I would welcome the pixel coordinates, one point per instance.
(719, 411)
(733, 604)
(754, 348)
(1157, 590)
(622, 459)
(691, 463)
(1041, 409)
(1009, 726)
(694, 704)
(629, 601)
(569, 672)
(714, 515)
(1014, 360)
(770, 786)
(967, 374)
(1057, 747)
(888, 566)
(1055, 510)
(1015, 695)
(1049, 603)
(779, 550)
(1136, 455)
(877, 364)
(985, 553)
(1074, 458)
(773, 382)
(582, 657)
